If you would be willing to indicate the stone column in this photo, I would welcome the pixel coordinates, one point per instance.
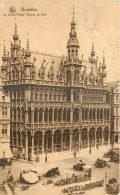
(109, 114)
(16, 115)
(71, 95)
(102, 137)
(71, 116)
(46, 142)
(43, 143)
(95, 136)
(62, 141)
(53, 116)
(52, 142)
(88, 138)
(26, 146)
(21, 140)
(57, 116)
(48, 116)
(108, 137)
(32, 150)
(71, 140)
(88, 114)
(103, 116)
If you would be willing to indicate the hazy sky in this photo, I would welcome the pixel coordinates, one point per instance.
(96, 20)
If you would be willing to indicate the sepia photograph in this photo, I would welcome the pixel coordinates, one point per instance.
(59, 97)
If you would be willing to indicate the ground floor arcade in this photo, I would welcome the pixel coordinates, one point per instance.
(31, 143)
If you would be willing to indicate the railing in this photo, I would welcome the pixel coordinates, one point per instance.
(46, 124)
(53, 83)
(96, 87)
(51, 103)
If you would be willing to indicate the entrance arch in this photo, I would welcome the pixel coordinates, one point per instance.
(84, 136)
(99, 135)
(75, 139)
(57, 140)
(38, 142)
(48, 140)
(106, 134)
(92, 136)
(66, 139)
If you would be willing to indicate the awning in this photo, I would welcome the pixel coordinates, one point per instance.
(5, 151)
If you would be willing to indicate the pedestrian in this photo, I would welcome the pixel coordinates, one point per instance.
(90, 150)
(74, 153)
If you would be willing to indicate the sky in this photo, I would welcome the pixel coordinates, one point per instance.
(48, 31)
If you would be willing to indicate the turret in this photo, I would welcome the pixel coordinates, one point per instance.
(27, 52)
(104, 74)
(28, 64)
(4, 64)
(92, 54)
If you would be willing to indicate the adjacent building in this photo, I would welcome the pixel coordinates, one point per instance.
(115, 110)
(5, 151)
(63, 105)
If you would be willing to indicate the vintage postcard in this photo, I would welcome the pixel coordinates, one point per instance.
(59, 97)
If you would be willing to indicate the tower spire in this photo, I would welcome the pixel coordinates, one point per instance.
(92, 53)
(15, 32)
(28, 52)
(103, 58)
(28, 43)
(92, 46)
(73, 13)
(15, 36)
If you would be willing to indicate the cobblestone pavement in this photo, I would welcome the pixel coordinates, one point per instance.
(65, 162)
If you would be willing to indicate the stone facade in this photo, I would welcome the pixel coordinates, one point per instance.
(65, 107)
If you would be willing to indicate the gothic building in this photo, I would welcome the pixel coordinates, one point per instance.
(63, 106)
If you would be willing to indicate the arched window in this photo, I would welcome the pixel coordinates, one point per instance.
(68, 75)
(76, 75)
(13, 75)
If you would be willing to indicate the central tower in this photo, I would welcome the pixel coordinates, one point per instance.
(72, 64)
(73, 44)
